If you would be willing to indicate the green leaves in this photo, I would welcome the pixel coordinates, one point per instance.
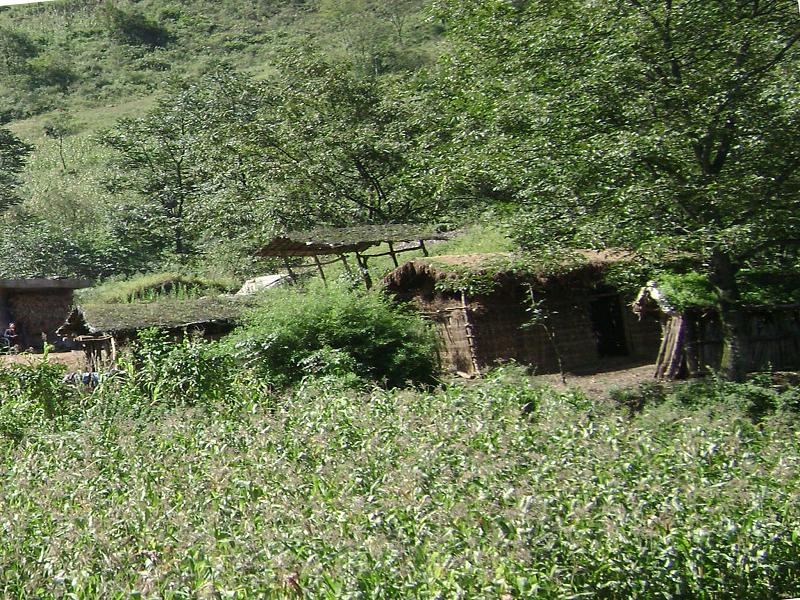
(13, 153)
(336, 332)
(494, 488)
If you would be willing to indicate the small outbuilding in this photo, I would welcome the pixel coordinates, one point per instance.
(693, 340)
(37, 306)
(486, 310)
(101, 329)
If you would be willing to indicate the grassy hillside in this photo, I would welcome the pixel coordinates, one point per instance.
(79, 54)
(73, 69)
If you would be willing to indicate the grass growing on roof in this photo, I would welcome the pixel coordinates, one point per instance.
(478, 238)
(155, 286)
(166, 312)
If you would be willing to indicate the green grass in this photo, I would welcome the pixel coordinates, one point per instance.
(489, 490)
(91, 118)
(155, 286)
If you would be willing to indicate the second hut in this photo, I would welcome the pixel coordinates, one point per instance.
(487, 310)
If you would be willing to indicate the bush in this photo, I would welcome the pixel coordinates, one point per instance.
(167, 373)
(32, 398)
(134, 28)
(336, 331)
(757, 397)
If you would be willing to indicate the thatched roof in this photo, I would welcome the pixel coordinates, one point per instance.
(585, 265)
(44, 284)
(342, 240)
(170, 314)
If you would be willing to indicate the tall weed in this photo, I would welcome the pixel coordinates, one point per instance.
(33, 399)
(165, 372)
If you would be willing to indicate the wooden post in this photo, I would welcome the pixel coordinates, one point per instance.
(113, 353)
(671, 353)
(469, 330)
(362, 265)
(321, 270)
(393, 255)
(288, 266)
(346, 264)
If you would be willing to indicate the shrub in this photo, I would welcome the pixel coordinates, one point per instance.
(131, 27)
(32, 398)
(757, 397)
(335, 331)
(167, 373)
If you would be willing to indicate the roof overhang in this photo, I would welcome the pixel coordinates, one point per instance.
(344, 240)
(44, 284)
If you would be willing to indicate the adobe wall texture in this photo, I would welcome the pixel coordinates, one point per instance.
(503, 329)
(37, 312)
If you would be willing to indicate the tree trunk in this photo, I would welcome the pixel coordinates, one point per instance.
(734, 323)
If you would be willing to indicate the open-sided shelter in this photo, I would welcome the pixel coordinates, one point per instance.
(37, 306)
(484, 314)
(319, 245)
(693, 339)
(102, 328)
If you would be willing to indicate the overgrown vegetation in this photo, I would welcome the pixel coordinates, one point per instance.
(758, 287)
(154, 286)
(488, 489)
(292, 459)
(337, 332)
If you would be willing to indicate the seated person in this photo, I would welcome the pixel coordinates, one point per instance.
(11, 335)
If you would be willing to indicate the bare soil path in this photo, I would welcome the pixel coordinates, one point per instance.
(611, 374)
(74, 360)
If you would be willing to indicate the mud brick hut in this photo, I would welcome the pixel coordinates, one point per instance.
(102, 329)
(692, 345)
(37, 306)
(582, 320)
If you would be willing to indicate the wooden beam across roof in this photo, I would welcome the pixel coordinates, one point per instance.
(347, 240)
(326, 241)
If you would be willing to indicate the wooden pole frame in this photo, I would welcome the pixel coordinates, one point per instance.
(362, 265)
(321, 270)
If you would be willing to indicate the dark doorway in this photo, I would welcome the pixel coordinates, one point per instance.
(608, 325)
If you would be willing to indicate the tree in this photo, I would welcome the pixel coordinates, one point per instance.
(135, 28)
(13, 153)
(59, 127)
(644, 123)
(374, 33)
(16, 47)
(338, 143)
(158, 158)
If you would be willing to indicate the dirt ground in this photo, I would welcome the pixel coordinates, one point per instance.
(74, 360)
(611, 374)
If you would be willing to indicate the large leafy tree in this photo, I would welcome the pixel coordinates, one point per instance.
(644, 123)
(339, 144)
(158, 155)
(227, 157)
